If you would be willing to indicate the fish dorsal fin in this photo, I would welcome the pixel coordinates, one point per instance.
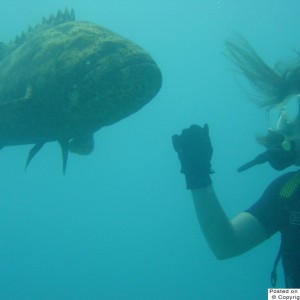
(59, 18)
(53, 20)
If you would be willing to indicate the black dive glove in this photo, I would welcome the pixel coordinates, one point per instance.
(194, 151)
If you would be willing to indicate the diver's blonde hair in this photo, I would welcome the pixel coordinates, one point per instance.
(274, 84)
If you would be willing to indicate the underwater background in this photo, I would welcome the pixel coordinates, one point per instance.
(120, 224)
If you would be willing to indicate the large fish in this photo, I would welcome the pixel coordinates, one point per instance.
(65, 79)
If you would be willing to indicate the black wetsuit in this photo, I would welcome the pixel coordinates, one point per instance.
(279, 210)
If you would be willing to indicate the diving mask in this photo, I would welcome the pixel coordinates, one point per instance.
(285, 113)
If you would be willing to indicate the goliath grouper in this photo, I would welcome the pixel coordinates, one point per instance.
(65, 79)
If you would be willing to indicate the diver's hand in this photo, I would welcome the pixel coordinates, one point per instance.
(194, 150)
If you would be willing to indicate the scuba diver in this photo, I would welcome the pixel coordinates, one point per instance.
(278, 209)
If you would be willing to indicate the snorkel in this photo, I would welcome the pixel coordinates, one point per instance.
(280, 155)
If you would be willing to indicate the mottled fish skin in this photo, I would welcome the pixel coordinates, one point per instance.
(65, 79)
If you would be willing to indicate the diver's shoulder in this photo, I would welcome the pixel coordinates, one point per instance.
(286, 176)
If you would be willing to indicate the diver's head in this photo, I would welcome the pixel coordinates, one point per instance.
(280, 88)
(283, 139)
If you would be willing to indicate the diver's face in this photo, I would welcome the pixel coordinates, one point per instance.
(284, 132)
(285, 113)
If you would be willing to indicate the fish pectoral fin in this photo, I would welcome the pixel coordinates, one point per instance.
(64, 144)
(34, 150)
(83, 145)
(18, 102)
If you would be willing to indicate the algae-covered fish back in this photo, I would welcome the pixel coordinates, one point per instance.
(65, 79)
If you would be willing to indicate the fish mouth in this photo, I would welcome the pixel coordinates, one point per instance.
(109, 95)
(134, 86)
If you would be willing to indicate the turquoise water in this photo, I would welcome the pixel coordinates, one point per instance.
(120, 224)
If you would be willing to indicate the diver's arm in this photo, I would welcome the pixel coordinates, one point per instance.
(225, 238)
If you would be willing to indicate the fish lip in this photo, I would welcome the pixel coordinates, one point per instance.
(134, 67)
(97, 68)
(96, 73)
(137, 60)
